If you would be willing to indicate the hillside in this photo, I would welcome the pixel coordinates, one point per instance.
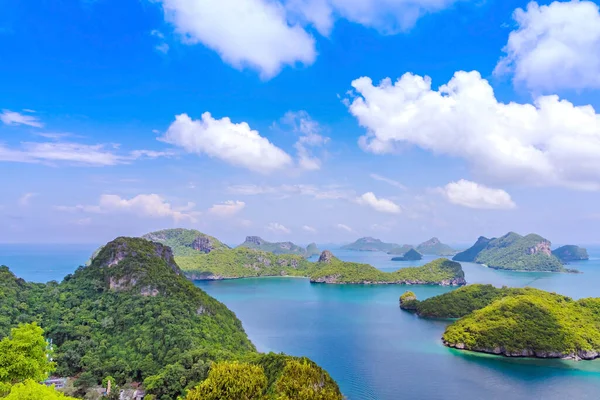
(571, 253)
(370, 244)
(535, 324)
(257, 243)
(438, 272)
(186, 242)
(242, 262)
(513, 252)
(410, 255)
(130, 315)
(434, 247)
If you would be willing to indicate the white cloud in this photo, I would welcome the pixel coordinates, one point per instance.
(235, 144)
(144, 205)
(14, 118)
(473, 195)
(554, 47)
(73, 153)
(245, 33)
(332, 192)
(388, 181)
(26, 198)
(345, 228)
(278, 228)
(549, 142)
(309, 229)
(227, 209)
(161, 46)
(381, 205)
(310, 137)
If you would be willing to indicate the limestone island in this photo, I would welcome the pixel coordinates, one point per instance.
(221, 262)
(515, 322)
(434, 247)
(370, 244)
(570, 253)
(513, 252)
(410, 255)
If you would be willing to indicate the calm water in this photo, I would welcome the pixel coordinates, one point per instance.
(359, 334)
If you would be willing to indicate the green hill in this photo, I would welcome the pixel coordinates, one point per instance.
(571, 253)
(410, 255)
(438, 272)
(434, 247)
(370, 244)
(131, 315)
(513, 252)
(186, 242)
(257, 243)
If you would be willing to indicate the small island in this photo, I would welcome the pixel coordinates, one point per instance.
(401, 250)
(410, 255)
(515, 322)
(434, 247)
(258, 243)
(370, 244)
(570, 253)
(513, 252)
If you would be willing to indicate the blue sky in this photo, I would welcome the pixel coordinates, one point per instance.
(249, 118)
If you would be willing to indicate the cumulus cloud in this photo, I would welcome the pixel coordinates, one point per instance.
(26, 199)
(278, 228)
(144, 205)
(310, 137)
(554, 47)
(235, 144)
(14, 118)
(227, 209)
(245, 33)
(73, 153)
(309, 229)
(382, 205)
(473, 195)
(345, 228)
(388, 181)
(549, 142)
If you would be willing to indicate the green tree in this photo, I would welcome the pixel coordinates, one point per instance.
(231, 381)
(24, 355)
(305, 381)
(31, 390)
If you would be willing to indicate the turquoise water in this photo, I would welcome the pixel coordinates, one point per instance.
(376, 351)
(359, 334)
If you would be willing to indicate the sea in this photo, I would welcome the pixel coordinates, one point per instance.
(374, 350)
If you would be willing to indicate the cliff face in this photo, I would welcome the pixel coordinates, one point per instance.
(542, 247)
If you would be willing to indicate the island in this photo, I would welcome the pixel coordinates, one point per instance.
(513, 252)
(434, 247)
(185, 242)
(514, 322)
(312, 250)
(442, 272)
(370, 244)
(410, 255)
(401, 250)
(257, 243)
(132, 315)
(570, 253)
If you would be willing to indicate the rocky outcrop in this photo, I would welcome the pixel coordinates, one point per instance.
(578, 355)
(542, 247)
(326, 257)
(203, 244)
(257, 240)
(117, 250)
(408, 301)
(335, 279)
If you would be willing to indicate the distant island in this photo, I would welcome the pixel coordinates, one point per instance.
(257, 243)
(410, 255)
(570, 253)
(438, 272)
(515, 322)
(132, 316)
(370, 244)
(223, 262)
(401, 250)
(513, 252)
(434, 247)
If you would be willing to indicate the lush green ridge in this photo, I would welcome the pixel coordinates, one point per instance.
(437, 272)
(242, 262)
(522, 322)
(513, 252)
(410, 255)
(132, 315)
(571, 253)
(434, 247)
(186, 242)
(370, 244)
(257, 243)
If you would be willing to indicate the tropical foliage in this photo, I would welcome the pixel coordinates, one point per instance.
(31, 390)
(185, 242)
(257, 243)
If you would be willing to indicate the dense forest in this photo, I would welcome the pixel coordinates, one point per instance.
(133, 316)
